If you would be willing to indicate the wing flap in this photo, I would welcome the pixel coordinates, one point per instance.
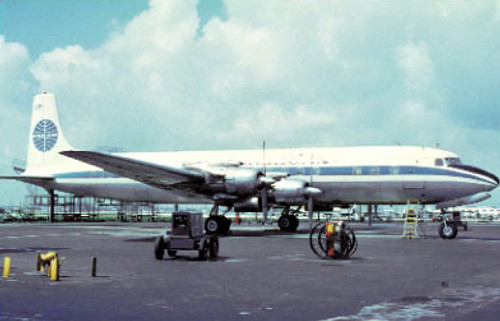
(161, 176)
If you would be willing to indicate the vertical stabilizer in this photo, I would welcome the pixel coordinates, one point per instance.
(46, 137)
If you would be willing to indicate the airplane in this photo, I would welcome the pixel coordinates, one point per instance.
(483, 213)
(251, 180)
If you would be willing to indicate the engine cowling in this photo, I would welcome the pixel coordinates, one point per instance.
(292, 192)
(238, 182)
(243, 181)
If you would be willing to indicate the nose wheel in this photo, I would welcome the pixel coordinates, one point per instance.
(448, 230)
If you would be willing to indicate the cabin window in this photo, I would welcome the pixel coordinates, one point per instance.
(373, 170)
(438, 162)
(357, 170)
(394, 170)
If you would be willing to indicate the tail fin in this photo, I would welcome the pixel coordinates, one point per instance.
(46, 138)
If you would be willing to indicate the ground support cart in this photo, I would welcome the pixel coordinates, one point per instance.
(187, 235)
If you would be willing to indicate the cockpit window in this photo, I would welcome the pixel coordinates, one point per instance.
(452, 161)
(439, 162)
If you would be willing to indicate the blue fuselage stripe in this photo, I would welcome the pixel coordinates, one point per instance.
(320, 171)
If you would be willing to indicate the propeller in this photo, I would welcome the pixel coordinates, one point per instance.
(264, 191)
(265, 208)
(310, 191)
(310, 207)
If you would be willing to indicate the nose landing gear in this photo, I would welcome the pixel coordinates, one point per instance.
(448, 230)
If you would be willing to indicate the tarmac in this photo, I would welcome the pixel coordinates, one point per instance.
(261, 274)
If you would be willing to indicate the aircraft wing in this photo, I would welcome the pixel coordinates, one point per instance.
(160, 176)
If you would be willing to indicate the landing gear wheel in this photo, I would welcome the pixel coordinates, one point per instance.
(213, 247)
(217, 225)
(288, 223)
(448, 230)
(203, 251)
(212, 225)
(159, 248)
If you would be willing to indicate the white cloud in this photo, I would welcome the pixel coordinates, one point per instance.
(16, 89)
(14, 60)
(418, 67)
(277, 123)
(61, 67)
(321, 73)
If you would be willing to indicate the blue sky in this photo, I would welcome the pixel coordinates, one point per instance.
(183, 75)
(48, 24)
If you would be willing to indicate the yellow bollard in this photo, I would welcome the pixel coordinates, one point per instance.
(54, 269)
(54, 264)
(39, 264)
(6, 267)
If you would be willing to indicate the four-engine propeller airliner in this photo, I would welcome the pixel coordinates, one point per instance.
(318, 178)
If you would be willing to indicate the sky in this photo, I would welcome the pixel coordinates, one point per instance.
(181, 75)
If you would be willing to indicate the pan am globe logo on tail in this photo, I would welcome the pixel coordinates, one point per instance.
(45, 135)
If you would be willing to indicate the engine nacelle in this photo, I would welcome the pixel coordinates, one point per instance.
(292, 192)
(237, 182)
(252, 204)
(242, 181)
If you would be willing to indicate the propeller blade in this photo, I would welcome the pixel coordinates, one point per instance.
(265, 208)
(264, 155)
(310, 207)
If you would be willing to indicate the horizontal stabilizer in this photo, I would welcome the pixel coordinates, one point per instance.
(35, 180)
(152, 174)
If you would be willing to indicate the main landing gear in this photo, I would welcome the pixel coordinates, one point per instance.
(288, 222)
(217, 224)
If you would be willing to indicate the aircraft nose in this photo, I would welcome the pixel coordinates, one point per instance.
(487, 177)
(494, 181)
